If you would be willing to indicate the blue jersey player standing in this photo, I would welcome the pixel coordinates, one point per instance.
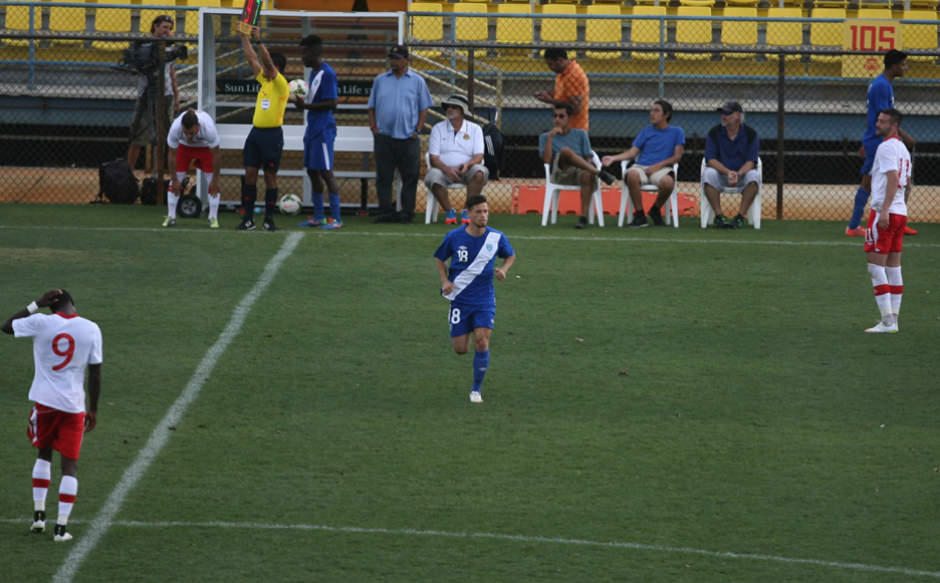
(468, 284)
(322, 93)
(880, 98)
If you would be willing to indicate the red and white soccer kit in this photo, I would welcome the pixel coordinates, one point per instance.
(198, 148)
(892, 155)
(63, 347)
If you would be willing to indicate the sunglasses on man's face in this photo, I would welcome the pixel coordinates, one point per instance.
(561, 115)
(452, 106)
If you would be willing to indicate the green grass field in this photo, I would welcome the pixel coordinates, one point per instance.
(662, 405)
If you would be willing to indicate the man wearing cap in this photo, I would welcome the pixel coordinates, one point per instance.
(880, 98)
(571, 86)
(456, 153)
(731, 150)
(398, 107)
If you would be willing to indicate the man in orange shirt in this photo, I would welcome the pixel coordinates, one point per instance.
(571, 86)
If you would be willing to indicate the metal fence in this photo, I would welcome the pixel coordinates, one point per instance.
(66, 110)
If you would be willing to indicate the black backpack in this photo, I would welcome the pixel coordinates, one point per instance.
(494, 150)
(117, 182)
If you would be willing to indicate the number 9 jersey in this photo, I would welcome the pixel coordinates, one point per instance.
(63, 346)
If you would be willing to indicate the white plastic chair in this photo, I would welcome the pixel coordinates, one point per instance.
(552, 192)
(430, 215)
(753, 213)
(626, 203)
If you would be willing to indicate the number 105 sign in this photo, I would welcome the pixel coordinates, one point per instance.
(876, 36)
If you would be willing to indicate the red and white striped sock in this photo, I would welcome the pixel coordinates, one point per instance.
(897, 288)
(68, 489)
(879, 281)
(42, 475)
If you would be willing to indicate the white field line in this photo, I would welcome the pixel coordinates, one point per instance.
(510, 537)
(161, 433)
(348, 233)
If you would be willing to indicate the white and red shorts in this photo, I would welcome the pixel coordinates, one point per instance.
(884, 241)
(186, 154)
(59, 430)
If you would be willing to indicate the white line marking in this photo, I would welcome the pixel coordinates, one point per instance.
(347, 233)
(161, 433)
(510, 537)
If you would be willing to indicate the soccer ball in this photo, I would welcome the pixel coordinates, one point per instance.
(289, 204)
(298, 88)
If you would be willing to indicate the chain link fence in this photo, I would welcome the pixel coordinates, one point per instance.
(67, 108)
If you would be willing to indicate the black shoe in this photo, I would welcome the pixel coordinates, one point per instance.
(582, 223)
(722, 223)
(738, 221)
(407, 219)
(656, 216)
(639, 221)
(269, 225)
(246, 225)
(607, 177)
(384, 219)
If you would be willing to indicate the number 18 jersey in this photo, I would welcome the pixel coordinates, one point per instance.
(473, 260)
(63, 346)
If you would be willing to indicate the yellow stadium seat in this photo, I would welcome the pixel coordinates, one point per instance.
(112, 20)
(192, 16)
(741, 34)
(471, 28)
(646, 32)
(826, 34)
(784, 34)
(67, 20)
(919, 37)
(693, 32)
(879, 13)
(697, 3)
(743, 3)
(603, 31)
(427, 28)
(559, 30)
(17, 20)
(514, 30)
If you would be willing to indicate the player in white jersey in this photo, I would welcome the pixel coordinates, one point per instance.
(884, 236)
(194, 138)
(64, 344)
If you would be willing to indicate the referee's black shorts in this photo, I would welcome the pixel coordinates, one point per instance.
(263, 148)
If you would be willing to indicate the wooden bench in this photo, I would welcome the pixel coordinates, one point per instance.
(348, 139)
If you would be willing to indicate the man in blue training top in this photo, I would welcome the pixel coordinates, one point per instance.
(880, 98)
(469, 284)
(322, 92)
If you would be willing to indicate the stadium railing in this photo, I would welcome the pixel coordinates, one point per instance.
(62, 102)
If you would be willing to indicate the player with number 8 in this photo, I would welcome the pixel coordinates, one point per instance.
(64, 344)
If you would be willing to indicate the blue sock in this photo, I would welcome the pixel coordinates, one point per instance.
(334, 207)
(861, 199)
(481, 361)
(317, 205)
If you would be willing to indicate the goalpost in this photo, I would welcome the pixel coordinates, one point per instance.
(227, 89)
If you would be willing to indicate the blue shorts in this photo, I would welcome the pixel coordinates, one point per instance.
(263, 149)
(871, 147)
(318, 150)
(463, 319)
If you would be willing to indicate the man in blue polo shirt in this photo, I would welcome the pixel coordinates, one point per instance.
(731, 150)
(657, 147)
(398, 108)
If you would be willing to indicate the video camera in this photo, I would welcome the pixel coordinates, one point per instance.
(142, 57)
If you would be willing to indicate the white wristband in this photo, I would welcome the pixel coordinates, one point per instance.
(32, 308)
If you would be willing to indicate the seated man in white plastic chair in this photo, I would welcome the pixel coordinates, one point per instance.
(455, 151)
(731, 150)
(568, 151)
(656, 149)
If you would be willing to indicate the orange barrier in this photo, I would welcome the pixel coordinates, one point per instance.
(529, 199)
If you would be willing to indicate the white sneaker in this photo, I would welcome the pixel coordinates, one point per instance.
(475, 397)
(38, 526)
(881, 328)
(63, 537)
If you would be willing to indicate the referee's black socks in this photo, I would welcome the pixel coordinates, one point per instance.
(249, 196)
(270, 202)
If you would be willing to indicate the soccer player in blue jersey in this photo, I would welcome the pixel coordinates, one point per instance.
(320, 102)
(880, 98)
(468, 285)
